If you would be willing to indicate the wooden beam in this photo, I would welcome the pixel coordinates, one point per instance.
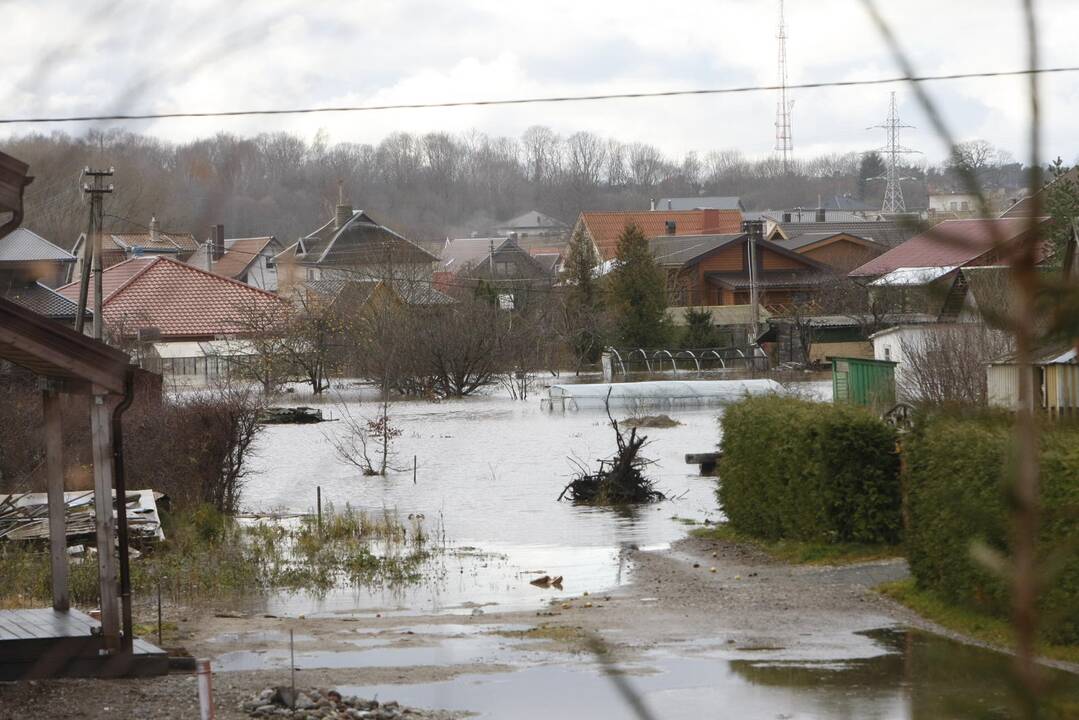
(101, 442)
(54, 471)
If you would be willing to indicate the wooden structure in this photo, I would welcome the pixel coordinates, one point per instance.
(1056, 381)
(62, 641)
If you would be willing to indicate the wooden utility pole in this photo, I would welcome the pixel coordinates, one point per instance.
(755, 230)
(91, 256)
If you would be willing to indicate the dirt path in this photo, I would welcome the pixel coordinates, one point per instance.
(675, 601)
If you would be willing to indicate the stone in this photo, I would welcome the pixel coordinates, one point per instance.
(304, 702)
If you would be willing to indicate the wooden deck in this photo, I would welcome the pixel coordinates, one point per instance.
(44, 643)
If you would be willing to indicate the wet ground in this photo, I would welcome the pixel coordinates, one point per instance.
(648, 623)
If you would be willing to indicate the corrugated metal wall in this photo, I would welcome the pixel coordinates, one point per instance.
(1003, 381)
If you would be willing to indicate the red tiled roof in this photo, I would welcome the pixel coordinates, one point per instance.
(179, 300)
(952, 243)
(240, 254)
(605, 227)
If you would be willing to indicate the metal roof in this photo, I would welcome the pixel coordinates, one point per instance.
(709, 202)
(913, 276)
(950, 243)
(680, 249)
(23, 245)
(45, 301)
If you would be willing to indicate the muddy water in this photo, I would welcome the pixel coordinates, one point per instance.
(902, 674)
(489, 471)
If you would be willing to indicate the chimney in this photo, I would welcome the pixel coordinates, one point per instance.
(821, 215)
(154, 234)
(669, 205)
(217, 237)
(652, 204)
(342, 216)
(709, 220)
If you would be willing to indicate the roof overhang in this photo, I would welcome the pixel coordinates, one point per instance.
(13, 180)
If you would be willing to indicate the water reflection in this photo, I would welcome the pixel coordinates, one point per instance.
(913, 676)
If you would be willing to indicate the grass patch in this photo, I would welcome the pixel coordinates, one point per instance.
(979, 626)
(803, 552)
(208, 557)
(684, 521)
(564, 635)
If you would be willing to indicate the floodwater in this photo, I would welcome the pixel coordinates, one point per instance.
(901, 674)
(488, 474)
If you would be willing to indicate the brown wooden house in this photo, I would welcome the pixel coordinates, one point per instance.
(841, 251)
(714, 270)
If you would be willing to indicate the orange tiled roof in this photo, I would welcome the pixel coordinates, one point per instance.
(177, 299)
(605, 227)
(240, 254)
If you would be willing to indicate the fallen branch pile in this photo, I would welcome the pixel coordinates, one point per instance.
(619, 480)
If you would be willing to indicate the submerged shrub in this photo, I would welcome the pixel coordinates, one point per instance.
(809, 471)
(959, 472)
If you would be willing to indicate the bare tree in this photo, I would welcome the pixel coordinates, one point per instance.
(945, 365)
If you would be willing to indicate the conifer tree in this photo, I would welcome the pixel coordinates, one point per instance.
(583, 310)
(638, 293)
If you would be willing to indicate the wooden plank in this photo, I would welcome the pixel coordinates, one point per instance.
(101, 442)
(54, 470)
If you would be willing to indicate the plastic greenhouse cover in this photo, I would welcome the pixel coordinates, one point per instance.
(659, 393)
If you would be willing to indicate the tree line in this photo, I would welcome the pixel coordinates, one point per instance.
(433, 185)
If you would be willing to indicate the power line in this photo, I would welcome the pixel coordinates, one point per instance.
(538, 100)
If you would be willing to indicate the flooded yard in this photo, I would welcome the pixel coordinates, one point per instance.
(488, 472)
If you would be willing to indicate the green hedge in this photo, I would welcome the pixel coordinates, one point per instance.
(958, 475)
(809, 471)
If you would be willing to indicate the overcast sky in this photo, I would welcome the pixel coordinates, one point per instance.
(142, 56)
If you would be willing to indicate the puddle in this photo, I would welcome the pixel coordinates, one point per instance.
(265, 636)
(451, 651)
(912, 675)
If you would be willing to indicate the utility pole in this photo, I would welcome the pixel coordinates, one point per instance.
(96, 189)
(755, 231)
(892, 150)
(784, 139)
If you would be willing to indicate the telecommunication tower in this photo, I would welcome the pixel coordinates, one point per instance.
(784, 140)
(892, 150)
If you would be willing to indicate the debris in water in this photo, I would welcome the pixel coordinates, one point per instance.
(290, 416)
(620, 480)
(284, 702)
(650, 421)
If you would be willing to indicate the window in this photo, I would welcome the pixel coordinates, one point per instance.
(506, 301)
(966, 206)
(953, 206)
(887, 352)
(505, 268)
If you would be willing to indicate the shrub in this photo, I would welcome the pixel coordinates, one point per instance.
(809, 471)
(958, 475)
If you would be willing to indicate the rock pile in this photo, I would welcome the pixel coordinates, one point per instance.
(312, 704)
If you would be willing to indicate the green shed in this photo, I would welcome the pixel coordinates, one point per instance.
(863, 381)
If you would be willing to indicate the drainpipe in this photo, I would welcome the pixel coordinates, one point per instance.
(128, 640)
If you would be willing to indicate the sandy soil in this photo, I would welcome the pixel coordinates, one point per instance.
(748, 601)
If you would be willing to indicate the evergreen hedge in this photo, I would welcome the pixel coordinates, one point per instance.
(958, 475)
(809, 471)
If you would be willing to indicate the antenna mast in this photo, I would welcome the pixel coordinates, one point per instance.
(893, 191)
(784, 140)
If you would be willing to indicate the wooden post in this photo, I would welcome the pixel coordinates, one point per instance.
(101, 442)
(54, 471)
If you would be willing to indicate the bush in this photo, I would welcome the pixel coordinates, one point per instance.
(958, 475)
(809, 471)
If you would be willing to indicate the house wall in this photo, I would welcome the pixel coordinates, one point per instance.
(842, 255)
(262, 274)
(775, 261)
